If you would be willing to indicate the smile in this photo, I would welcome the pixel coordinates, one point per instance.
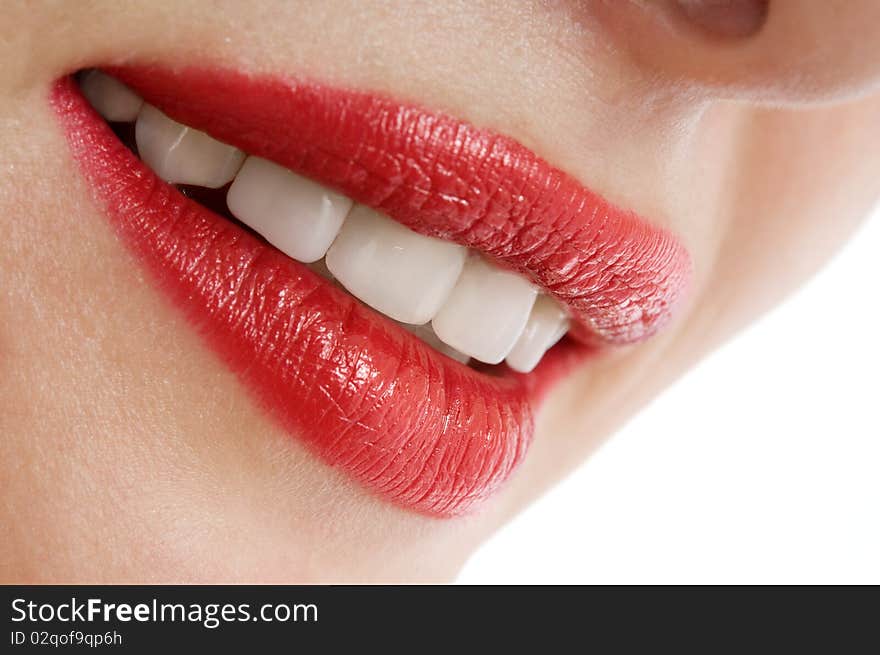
(391, 284)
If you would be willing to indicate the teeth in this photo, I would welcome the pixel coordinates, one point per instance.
(297, 216)
(110, 97)
(486, 312)
(546, 325)
(402, 274)
(461, 306)
(181, 155)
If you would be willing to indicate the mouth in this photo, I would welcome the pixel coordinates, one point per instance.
(397, 288)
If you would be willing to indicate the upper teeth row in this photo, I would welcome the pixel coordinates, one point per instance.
(475, 308)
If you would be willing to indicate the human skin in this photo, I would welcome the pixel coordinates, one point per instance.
(130, 453)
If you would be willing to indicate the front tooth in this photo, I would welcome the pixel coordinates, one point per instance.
(486, 312)
(297, 216)
(402, 274)
(547, 323)
(110, 97)
(181, 155)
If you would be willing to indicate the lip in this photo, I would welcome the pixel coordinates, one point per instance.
(411, 425)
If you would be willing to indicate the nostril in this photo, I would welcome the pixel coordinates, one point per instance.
(726, 18)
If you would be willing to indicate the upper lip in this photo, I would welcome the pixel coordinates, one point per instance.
(405, 421)
(619, 275)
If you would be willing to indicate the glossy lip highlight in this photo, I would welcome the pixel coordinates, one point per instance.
(408, 423)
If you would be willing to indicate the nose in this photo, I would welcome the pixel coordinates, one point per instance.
(726, 18)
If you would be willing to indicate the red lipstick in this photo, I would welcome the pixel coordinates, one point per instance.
(410, 424)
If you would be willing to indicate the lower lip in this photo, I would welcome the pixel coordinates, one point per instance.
(411, 425)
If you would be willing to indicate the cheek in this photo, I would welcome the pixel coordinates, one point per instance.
(802, 182)
(803, 52)
(819, 50)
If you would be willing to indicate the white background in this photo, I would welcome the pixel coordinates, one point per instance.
(762, 465)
